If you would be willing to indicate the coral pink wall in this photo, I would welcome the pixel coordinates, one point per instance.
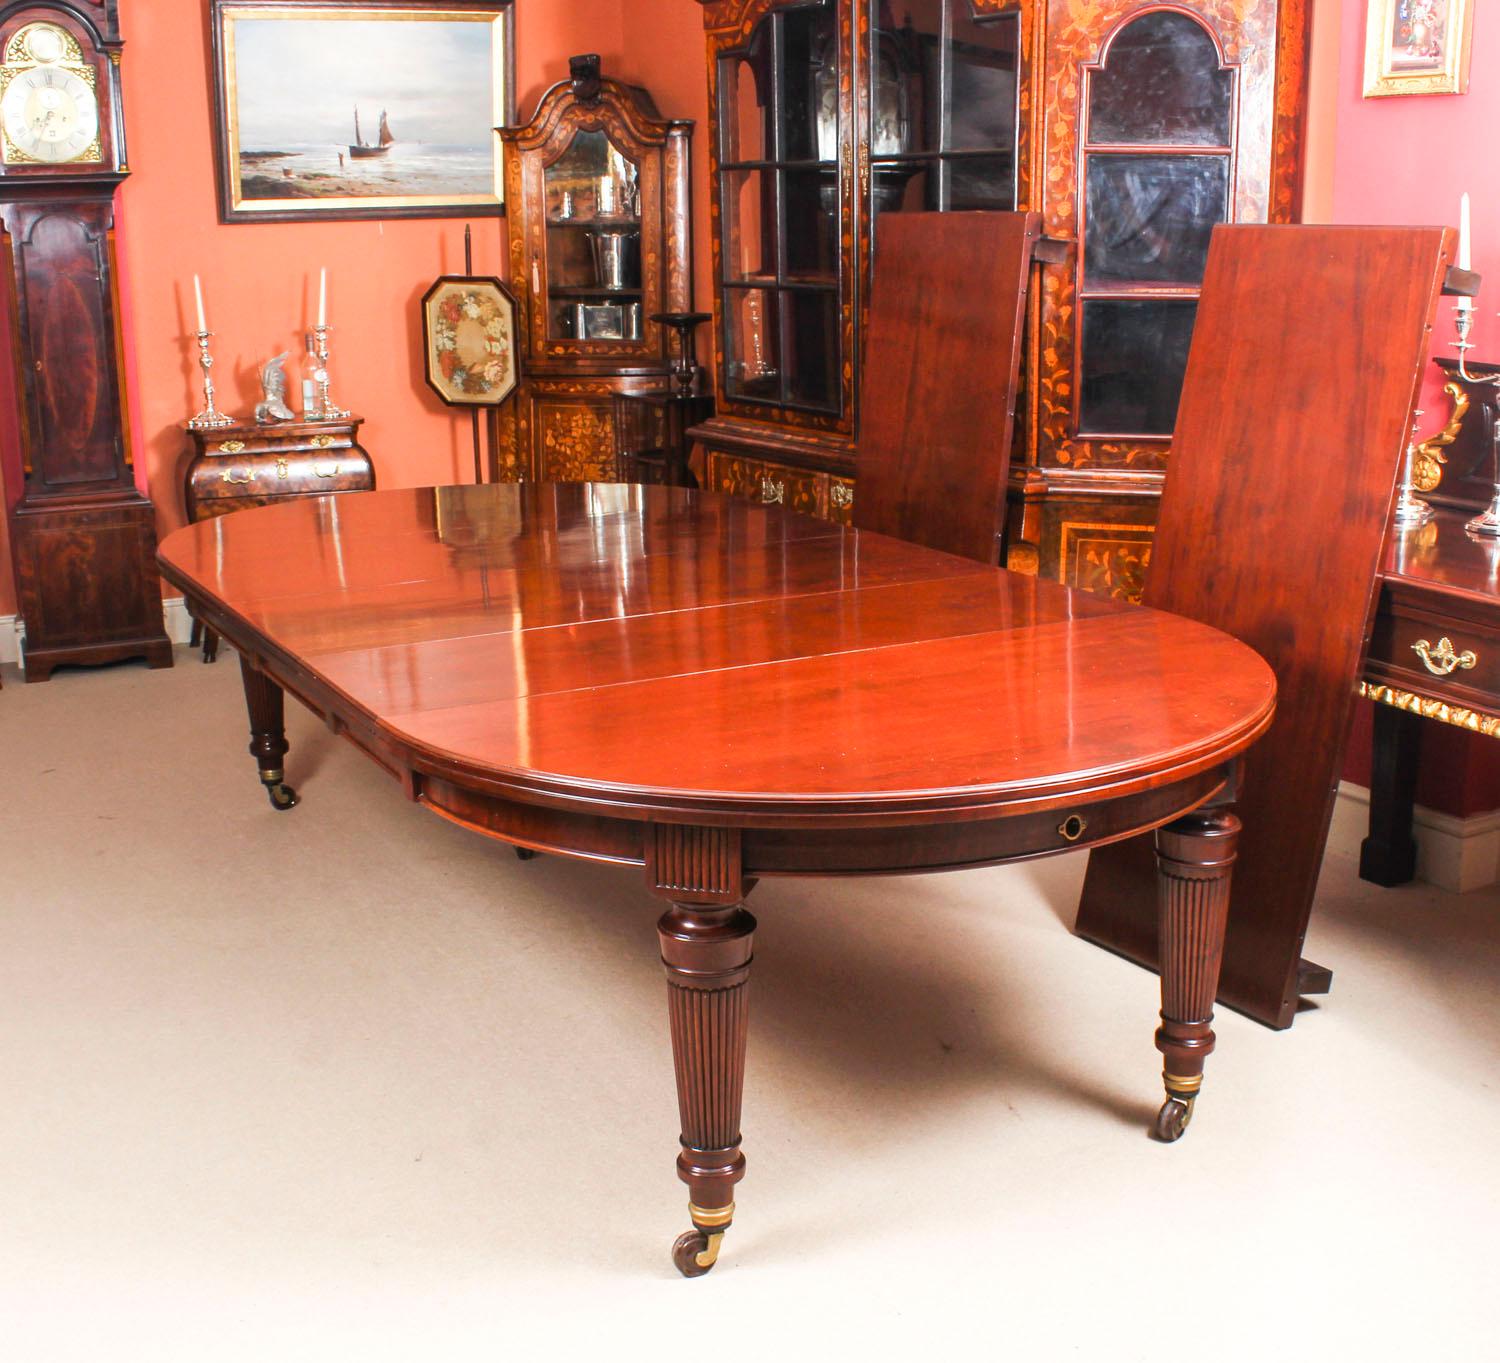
(1407, 159)
(260, 281)
(664, 49)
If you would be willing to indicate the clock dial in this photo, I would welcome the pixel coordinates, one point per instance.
(50, 114)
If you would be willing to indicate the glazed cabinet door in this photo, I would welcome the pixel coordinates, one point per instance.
(1153, 124)
(780, 87)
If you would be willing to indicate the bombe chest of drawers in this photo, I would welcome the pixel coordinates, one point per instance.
(248, 464)
(233, 467)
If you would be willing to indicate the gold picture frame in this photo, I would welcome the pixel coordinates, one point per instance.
(1418, 47)
(361, 109)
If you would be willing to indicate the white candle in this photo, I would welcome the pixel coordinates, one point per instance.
(1464, 249)
(198, 294)
(323, 297)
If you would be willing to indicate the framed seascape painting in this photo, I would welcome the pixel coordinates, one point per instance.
(1418, 47)
(377, 109)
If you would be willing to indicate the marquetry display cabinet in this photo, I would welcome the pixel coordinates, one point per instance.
(1132, 127)
(600, 241)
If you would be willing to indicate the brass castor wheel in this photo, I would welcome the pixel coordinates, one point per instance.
(1173, 1119)
(281, 795)
(695, 1253)
(524, 854)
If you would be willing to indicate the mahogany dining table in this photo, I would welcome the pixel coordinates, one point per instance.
(713, 691)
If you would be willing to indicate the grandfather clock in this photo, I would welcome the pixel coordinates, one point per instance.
(83, 538)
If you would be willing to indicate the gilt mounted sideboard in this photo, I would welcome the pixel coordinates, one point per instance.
(1131, 127)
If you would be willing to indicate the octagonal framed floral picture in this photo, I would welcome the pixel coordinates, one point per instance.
(469, 340)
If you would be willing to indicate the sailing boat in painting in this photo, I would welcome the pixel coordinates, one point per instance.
(359, 147)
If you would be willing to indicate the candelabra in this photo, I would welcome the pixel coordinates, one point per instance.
(317, 345)
(210, 417)
(1488, 521)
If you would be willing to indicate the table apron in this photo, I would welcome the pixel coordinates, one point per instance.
(913, 849)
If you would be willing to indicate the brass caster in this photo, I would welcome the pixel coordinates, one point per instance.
(1173, 1119)
(695, 1253)
(697, 1250)
(281, 795)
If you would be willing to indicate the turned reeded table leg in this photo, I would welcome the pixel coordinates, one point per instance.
(1194, 860)
(706, 950)
(267, 705)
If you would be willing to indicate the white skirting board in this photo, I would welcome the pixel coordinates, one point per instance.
(178, 622)
(1454, 854)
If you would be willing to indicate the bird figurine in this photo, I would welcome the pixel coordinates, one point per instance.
(273, 384)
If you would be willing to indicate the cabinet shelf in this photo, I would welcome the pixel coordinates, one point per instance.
(597, 223)
(591, 291)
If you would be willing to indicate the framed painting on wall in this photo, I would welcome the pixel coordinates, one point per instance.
(1418, 47)
(469, 340)
(374, 109)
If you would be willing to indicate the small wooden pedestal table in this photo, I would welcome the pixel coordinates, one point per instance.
(714, 691)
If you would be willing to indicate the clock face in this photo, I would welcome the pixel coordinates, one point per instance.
(50, 114)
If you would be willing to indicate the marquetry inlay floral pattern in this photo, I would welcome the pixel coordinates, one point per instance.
(577, 443)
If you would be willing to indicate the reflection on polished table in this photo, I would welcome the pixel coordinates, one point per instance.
(716, 691)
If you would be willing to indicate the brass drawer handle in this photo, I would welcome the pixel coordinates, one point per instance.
(1072, 828)
(841, 495)
(772, 490)
(322, 442)
(247, 477)
(1442, 660)
(331, 472)
(231, 447)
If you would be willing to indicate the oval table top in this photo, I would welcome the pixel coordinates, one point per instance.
(647, 649)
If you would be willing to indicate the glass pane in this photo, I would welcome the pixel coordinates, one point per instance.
(809, 86)
(910, 187)
(906, 112)
(1149, 217)
(593, 242)
(751, 347)
(1161, 84)
(812, 347)
(982, 182)
(1134, 356)
(745, 101)
(984, 57)
(812, 215)
(592, 179)
(749, 224)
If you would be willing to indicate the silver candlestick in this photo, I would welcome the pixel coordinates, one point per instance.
(317, 344)
(210, 417)
(1411, 510)
(1487, 523)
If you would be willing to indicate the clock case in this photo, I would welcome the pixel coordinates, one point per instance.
(83, 537)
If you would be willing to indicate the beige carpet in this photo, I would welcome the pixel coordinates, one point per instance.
(351, 1083)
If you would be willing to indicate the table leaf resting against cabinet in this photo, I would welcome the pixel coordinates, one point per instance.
(714, 691)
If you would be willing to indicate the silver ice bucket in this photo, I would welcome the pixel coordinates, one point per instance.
(617, 260)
